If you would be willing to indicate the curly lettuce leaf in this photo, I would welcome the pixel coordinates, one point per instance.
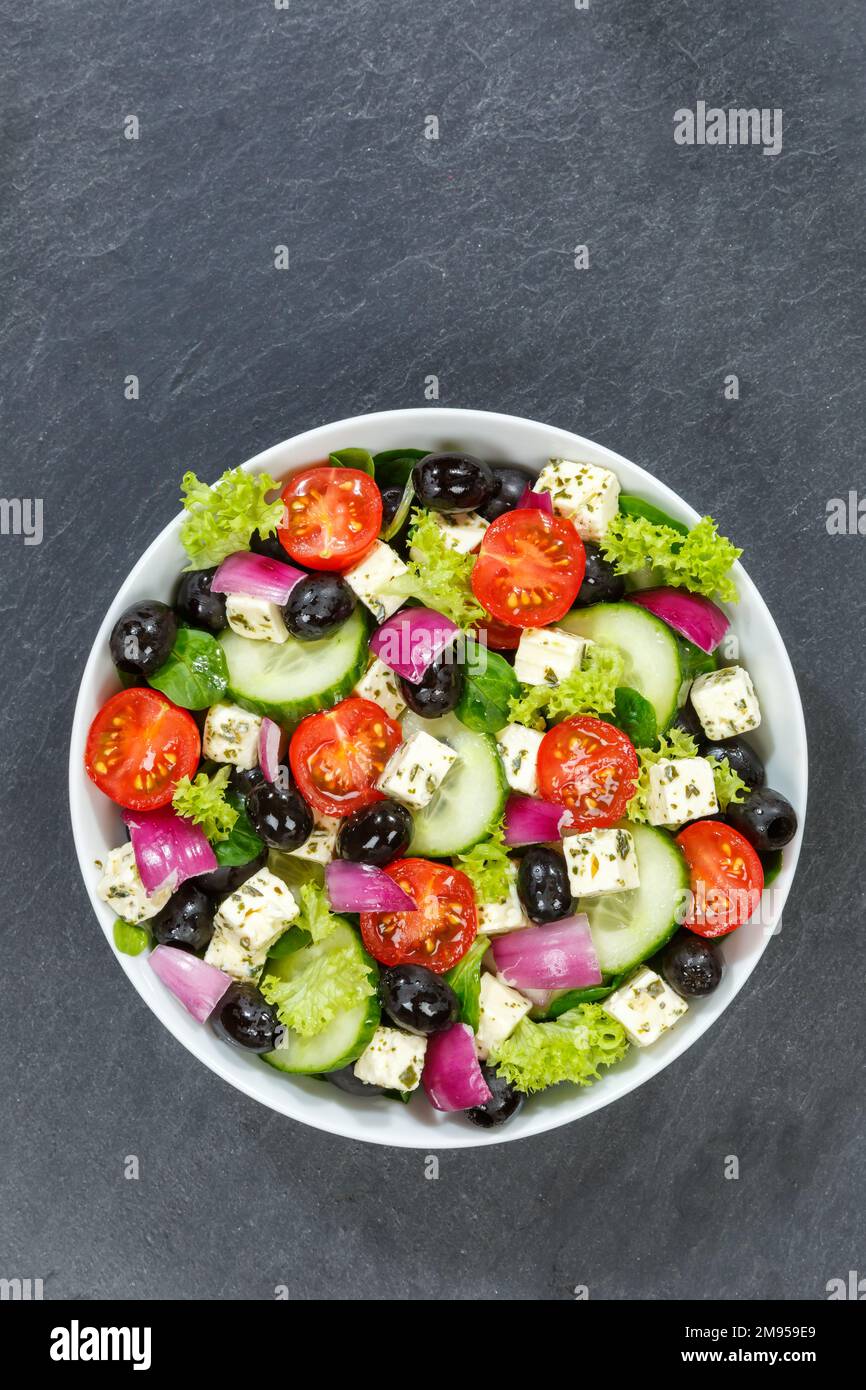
(700, 561)
(571, 1048)
(589, 690)
(221, 519)
(729, 784)
(488, 867)
(676, 743)
(203, 801)
(322, 984)
(438, 577)
(315, 915)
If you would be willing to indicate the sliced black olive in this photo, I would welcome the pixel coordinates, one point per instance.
(766, 818)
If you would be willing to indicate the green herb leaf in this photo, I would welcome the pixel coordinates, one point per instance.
(465, 980)
(243, 844)
(635, 716)
(353, 458)
(130, 938)
(572, 1048)
(221, 519)
(393, 466)
(573, 997)
(195, 674)
(489, 686)
(636, 506)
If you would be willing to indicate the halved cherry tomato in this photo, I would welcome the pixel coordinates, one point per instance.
(140, 745)
(338, 755)
(590, 767)
(440, 933)
(501, 637)
(529, 568)
(727, 877)
(332, 516)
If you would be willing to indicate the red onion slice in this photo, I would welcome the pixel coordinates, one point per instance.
(364, 888)
(558, 955)
(270, 737)
(168, 849)
(691, 615)
(197, 985)
(530, 821)
(535, 501)
(410, 642)
(256, 575)
(452, 1075)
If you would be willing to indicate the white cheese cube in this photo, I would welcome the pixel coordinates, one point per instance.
(247, 924)
(645, 1006)
(587, 495)
(726, 703)
(494, 919)
(121, 887)
(369, 579)
(681, 789)
(501, 1010)
(462, 532)
(381, 685)
(414, 773)
(392, 1059)
(547, 655)
(601, 861)
(518, 748)
(320, 846)
(255, 618)
(231, 735)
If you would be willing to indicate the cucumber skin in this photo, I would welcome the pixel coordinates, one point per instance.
(289, 713)
(572, 623)
(419, 845)
(363, 1038)
(613, 966)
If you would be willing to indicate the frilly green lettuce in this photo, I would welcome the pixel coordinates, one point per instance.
(221, 519)
(699, 562)
(590, 690)
(203, 801)
(571, 1048)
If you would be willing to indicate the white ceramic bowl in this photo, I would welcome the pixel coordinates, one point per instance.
(781, 741)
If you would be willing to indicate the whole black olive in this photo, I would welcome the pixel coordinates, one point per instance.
(281, 818)
(687, 720)
(244, 1017)
(542, 884)
(229, 877)
(244, 779)
(452, 482)
(766, 818)
(186, 921)
(601, 583)
(691, 964)
(510, 481)
(392, 496)
(142, 637)
(317, 605)
(271, 547)
(346, 1080)
(417, 1000)
(439, 689)
(741, 756)
(503, 1105)
(376, 834)
(196, 605)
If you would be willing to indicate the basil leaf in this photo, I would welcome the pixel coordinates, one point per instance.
(393, 467)
(636, 506)
(635, 716)
(489, 684)
(353, 458)
(465, 980)
(243, 844)
(573, 997)
(295, 939)
(195, 674)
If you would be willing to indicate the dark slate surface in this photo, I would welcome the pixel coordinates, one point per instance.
(304, 127)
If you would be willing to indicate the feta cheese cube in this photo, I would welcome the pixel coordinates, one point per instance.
(247, 924)
(231, 735)
(462, 532)
(494, 919)
(681, 789)
(414, 773)
(587, 495)
(369, 579)
(546, 655)
(726, 703)
(392, 1059)
(121, 887)
(255, 618)
(501, 1010)
(319, 847)
(381, 685)
(645, 1006)
(601, 861)
(518, 748)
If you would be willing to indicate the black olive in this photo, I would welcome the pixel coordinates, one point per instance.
(244, 1017)
(376, 834)
(317, 605)
(229, 877)
(542, 884)
(282, 818)
(687, 720)
(691, 964)
(417, 1000)
(196, 605)
(346, 1080)
(503, 1105)
(741, 756)
(452, 482)
(392, 496)
(510, 481)
(186, 921)
(601, 583)
(766, 818)
(243, 780)
(439, 689)
(271, 547)
(143, 637)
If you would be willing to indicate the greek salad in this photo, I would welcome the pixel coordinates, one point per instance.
(435, 774)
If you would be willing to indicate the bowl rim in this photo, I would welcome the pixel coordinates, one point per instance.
(257, 1082)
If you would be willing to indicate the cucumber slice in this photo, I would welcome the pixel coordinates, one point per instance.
(288, 680)
(628, 927)
(472, 797)
(345, 1038)
(652, 658)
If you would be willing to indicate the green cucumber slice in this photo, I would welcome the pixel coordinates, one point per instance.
(629, 927)
(472, 797)
(288, 680)
(650, 650)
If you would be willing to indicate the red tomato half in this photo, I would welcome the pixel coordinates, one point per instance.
(727, 877)
(332, 516)
(440, 933)
(139, 746)
(338, 755)
(590, 767)
(501, 637)
(529, 568)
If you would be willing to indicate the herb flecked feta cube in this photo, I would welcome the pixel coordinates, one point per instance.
(501, 1009)
(726, 703)
(645, 1006)
(547, 655)
(587, 495)
(414, 773)
(462, 532)
(392, 1059)
(601, 861)
(518, 748)
(231, 735)
(247, 924)
(255, 618)
(381, 685)
(121, 887)
(321, 843)
(494, 919)
(681, 789)
(369, 579)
